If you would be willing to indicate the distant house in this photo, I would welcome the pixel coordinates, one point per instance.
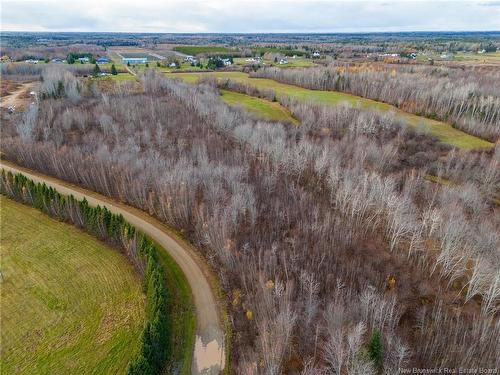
(283, 61)
(57, 61)
(226, 62)
(191, 59)
(83, 60)
(413, 55)
(32, 61)
(172, 65)
(257, 59)
(102, 60)
(316, 54)
(135, 60)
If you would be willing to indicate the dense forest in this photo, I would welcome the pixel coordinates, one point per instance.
(336, 248)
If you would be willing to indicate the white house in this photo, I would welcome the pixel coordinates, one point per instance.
(226, 62)
(283, 61)
(316, 54)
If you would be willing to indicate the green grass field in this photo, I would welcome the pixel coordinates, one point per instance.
(195, 50)
(445, 132)
(69, 304)
(299, 62)
(479, 57)
(183, 322)
(261, 108)
(283, 51)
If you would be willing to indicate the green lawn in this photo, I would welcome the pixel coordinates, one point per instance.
(69, 304)
(282, 51)
(183, 316)
(261, 108)
(299, 62)
(445, 132)
(486, 57)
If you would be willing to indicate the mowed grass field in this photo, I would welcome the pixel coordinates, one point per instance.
(69, 304)
(195, 50)
(445, 132)
(299, 62)
(260, 108)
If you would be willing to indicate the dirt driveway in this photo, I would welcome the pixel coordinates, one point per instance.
(209, 357)
(17, 97)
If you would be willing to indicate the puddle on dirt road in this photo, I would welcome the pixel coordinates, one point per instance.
(208, 359)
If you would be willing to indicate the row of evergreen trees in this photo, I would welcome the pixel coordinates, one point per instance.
(142, 252)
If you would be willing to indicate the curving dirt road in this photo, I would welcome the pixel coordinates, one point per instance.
(14, 98)
(209, 354)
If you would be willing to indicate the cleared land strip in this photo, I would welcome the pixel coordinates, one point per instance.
(261, 108)
(445, 132)
(209, 352)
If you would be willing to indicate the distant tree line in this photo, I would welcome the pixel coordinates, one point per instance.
(113, 229)
(75, 56)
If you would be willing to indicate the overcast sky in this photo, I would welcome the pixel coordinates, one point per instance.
(249, 16)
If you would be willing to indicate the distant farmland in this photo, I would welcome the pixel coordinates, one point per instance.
(282, 51)
(196, 50)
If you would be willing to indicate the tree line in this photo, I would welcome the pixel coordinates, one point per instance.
(113, 229)
(469, 100)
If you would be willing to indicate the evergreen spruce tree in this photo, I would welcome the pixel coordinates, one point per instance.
(375, 349)
(96, 70)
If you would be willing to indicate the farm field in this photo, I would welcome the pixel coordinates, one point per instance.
(70, 304)
(445, 132)
(490, 57)
(283, 51)
(299, 62)
(265, 109)
(195, 50)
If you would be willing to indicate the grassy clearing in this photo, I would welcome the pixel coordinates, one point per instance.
(183, 316)
(445, 132)
(195, 50)
(298, 62)
(70, 304)
(282, 51)
(478, 57)
(261, 108)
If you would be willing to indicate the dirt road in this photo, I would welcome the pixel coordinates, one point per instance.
(14, 98)
(208, 355)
